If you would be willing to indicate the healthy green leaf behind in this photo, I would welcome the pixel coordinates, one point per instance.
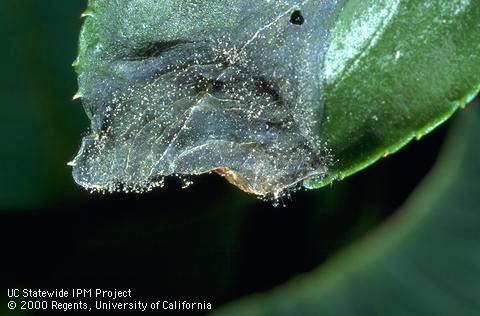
(39, 124)
(424, 261)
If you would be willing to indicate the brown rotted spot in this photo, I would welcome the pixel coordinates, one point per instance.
(236, 179)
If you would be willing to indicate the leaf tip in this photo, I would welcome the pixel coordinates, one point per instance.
(77, 95)
(419, 135)
(75, 63)
(71, 163)
(86, 13)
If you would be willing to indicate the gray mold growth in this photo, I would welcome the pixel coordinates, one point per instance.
(189, 87)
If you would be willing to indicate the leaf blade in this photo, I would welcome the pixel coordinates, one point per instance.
(419, 71)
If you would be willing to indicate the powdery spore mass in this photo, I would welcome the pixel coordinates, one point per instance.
(182, 88)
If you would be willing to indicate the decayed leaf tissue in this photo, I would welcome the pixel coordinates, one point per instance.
(188, 87)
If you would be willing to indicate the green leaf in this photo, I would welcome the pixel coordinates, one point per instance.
(268, 94)
(423, 261)
(395, 69)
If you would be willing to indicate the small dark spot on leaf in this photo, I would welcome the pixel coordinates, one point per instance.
(216, 85)
(264, 87)
(297, 18)
(276, 125)
(203, 84)
(154, 49)
(224, 64)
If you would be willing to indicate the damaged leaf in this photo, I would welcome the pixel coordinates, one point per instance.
(233, 87)
(270, 94)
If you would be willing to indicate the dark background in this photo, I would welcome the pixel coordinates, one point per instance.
(207, 242)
